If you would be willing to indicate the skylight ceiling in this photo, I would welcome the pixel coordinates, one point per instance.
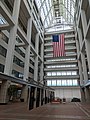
(2, 20)
(56, 13)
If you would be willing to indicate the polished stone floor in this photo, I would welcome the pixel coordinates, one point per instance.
(68, 111)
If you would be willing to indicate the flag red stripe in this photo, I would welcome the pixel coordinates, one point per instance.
(59, 47)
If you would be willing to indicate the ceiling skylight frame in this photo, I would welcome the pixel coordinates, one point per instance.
(47, 7)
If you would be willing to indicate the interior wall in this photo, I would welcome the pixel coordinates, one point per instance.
(67, 93)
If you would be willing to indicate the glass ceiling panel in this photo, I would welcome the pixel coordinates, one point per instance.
(56, 14)
(2, 20)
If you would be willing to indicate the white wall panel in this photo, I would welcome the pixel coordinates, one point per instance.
(68, 93)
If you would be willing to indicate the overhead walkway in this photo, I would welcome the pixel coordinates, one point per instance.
(60, 62)
(62, 77)
(61, 69)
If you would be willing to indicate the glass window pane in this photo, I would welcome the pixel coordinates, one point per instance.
(48, 74)
(49, 83)
(69, 82)
(53, 82)
(58, 73)
(58, 82)
(64, 83)
(73, 73)
(75, 82)
(68, 73)
(53, 73)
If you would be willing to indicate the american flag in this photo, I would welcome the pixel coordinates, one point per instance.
(58, 45)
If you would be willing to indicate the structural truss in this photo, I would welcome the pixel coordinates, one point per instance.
(56, 13)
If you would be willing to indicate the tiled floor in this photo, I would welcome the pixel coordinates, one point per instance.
(68, 111)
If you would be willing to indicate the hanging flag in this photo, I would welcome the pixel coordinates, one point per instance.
(58, 45)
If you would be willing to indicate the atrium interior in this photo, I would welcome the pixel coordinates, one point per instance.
(35, 69)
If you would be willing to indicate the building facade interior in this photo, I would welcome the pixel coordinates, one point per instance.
(28, 70)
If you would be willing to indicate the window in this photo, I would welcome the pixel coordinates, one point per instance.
(75, 83)
(53, 82)
(59, 83)
(68, 73)
(49, 83)
(4, 37)
(19, 51)
(3, 51)
(53, 73)
(31, 62)
(63, 73)
(69, 82)
(18, 40)
(17, 74)
(64, 83)
(48, 74)
(18, 61)
(1, 68)
(73, 73)
(31, 70)
(58, 73)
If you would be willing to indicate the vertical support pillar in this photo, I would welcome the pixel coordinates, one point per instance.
(44, 96)
(83, 99)
(88, 54)
(82, 56)
(84, 21)
(36, 58)
(40, 98)
(24, 93)
(27, 52)
(87, 94)
(3, 92)
(35, 95)
(41, 70)
(12, 37)
(29, 97)
(79, 63)
(85, 74)
(87, 44)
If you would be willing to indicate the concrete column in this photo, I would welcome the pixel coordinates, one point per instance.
(41, 68)
(3, 92)
(44, 96)
(84, 21)
(29, 96)
(83, 99)
(36, 58)
(79, 63)
(41, 73)
(80, 37)
(87, 42)
(27, 52)
(35, 95)
(82, 56)
(85, 74)
(37, 42)
(36, 69)
(24, 93)
(40, 99)
(80, 72)
(87, 94)
(12, 37)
